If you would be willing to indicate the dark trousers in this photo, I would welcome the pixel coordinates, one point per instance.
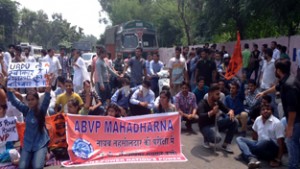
(211, 135)
(250, 71)
(136, 110)
(154, 85)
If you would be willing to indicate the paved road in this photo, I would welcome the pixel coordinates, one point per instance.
(198, 157)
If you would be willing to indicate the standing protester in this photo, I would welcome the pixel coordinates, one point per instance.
(192, 68)
(276, 52)
(254, 62)
(28, 57)
(147, 65)
(36, 137)
(80, 71)
(206, 68)
(3, 71)
(103, 71)
(246, 58)
(155, 66)
(178, 71)
(54, 66)
(268, 78)
(289, 88)
(18, 58)
(63, 60)
(9, 55)
(137, 68)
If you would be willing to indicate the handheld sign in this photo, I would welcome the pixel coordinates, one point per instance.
(27, 74)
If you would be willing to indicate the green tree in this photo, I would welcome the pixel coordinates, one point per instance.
(8, 21)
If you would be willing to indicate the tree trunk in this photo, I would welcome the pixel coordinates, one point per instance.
(182, 17)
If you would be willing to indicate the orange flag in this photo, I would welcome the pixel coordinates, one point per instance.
(236, 62)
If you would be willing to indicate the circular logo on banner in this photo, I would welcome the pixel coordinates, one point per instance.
(82, 148)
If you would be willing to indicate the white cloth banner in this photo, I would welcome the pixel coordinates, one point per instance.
(27, 74)
(8, 129)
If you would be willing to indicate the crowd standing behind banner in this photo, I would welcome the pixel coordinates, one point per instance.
(198, 90)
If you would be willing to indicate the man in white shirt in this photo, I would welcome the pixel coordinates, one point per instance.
(54, 66)
(27, 57)
(276, 52)
(268, 78)
(267, 140)
(8, 55)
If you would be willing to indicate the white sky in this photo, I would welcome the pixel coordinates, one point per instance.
(83, 13)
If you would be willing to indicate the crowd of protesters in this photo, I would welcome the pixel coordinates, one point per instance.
(197, 89)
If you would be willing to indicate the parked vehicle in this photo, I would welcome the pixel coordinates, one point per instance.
(88, 59)
(126, 37)
(35, 50)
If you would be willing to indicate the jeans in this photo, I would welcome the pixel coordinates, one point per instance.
(210, 135)
(293, 146)
(106, 94)
(36, 159)
(264, 149)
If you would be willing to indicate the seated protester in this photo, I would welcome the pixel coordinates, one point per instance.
(223, 87)
(164, 103)
(186, 105)
(88, 96)
(113, 110)
(60, 85)
(200, 90)
(121, 96)
(156, 101)
(142, 100)
(208, 110)
(74, 107)
(7, 151)
(62, 99)
(251, 93)
(11, 110)
(41, 92)
(222, 95)
(267, 142)
(255, 112)
(235, 101)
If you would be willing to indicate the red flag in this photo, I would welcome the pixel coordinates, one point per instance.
(236, 62)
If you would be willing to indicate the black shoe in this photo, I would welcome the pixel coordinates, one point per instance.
(239, 158)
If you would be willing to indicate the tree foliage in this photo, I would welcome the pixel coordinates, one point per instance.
(24, 25)
(197, 21)
(8, 21)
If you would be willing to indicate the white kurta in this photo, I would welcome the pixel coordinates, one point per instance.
(80, 75)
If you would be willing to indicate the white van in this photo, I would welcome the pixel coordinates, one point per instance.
(35, 50)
